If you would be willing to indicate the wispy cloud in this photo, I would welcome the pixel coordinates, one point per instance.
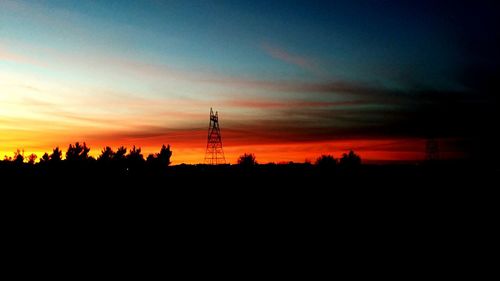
(287, 104)
(138, 70)
(285, 56)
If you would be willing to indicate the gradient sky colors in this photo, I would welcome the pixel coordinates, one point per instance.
(291, 79)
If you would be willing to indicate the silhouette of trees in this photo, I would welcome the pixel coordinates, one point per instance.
(18, 157)
(160, 160)
(164, 155)
(326, 161)
(135, 155)
(350, 160)
(123, 166)
(247, 160)
(120, 154)
(135, 160)
(32, 158)
(77, 152)
(107, 155)
(45, 158)
(56, 155)
(111, 161)
(151, 159)
(78, 159)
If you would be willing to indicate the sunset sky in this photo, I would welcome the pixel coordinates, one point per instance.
(291, 80)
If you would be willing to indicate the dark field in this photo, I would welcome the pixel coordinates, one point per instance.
(440, 175)
(367, 203)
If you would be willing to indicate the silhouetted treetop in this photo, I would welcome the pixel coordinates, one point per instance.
(107, 155)
(120, 153)
(18, 157)
(45, 158)
(56, 155)
(32, 158)
(77, 152)
(135, 155)
(350, 159)
(326, 161)
(160, 160)
(247, 160)
(164, 155)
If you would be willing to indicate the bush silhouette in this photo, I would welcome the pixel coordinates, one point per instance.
(326, 161)
(247, 160)
(350, 160)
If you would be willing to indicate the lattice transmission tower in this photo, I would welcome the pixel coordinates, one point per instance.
(214, 154)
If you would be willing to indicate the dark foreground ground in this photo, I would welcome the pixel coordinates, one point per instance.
(439, 192)
(433, 178)
(297, 212)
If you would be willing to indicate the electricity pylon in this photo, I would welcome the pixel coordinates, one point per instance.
(214, 154)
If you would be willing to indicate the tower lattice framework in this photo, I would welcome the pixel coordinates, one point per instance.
(214, 154)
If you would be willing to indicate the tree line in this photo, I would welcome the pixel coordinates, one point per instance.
(350, 159)
(78, 154)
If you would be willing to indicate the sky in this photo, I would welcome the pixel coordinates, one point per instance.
(291, 80)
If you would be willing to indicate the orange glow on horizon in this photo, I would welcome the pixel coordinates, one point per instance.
(193, 152)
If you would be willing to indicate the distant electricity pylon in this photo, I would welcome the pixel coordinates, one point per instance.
(214, 154)
(432, 150)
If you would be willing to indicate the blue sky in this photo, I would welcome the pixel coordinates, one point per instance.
(347, 40)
